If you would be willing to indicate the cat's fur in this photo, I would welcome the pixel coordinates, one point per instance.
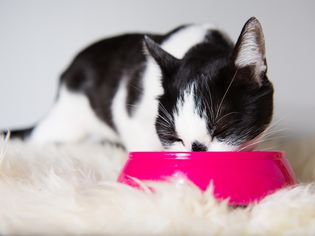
(190, 89)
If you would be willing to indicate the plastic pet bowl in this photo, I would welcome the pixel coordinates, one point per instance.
(240, 177)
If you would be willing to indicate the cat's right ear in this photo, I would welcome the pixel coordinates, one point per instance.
(166, 61)
(250, 50)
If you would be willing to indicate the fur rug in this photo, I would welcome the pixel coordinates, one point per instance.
(72, 190)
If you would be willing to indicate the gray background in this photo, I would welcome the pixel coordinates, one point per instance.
(39, 38)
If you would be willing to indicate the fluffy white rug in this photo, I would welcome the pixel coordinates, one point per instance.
(72, 190)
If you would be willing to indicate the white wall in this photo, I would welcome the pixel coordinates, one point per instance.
(39, 38)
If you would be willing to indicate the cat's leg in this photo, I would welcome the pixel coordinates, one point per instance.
(71, 120)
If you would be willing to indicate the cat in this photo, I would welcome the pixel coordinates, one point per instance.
(191, 89)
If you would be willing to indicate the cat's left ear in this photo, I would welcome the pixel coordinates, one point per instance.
(166, 61)
(249, 51)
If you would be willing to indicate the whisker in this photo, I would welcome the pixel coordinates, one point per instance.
(258, 142)
(139, 89)
(208, 107)
(269, 148)
(211, 100)
(163, 124)
(231, 113)
(272, 132)
(274, 124)
(227, 90)
(166, 113)
(165, 121)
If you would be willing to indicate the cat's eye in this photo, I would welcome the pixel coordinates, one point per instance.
(219, 133)
(175, 139)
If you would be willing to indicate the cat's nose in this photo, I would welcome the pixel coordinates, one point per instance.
(198, 147)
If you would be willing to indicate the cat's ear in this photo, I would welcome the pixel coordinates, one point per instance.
(249, 51)
(166, 61)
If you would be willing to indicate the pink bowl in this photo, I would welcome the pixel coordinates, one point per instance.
(240, 177)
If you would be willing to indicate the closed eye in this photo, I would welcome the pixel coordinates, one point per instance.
(175, 139)
(221, 129)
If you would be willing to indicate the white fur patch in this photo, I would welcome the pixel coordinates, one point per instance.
(137, 132)
(70, 120)
(191, 127)
(179, 43)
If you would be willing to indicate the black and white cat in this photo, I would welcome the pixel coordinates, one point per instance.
(188, 90)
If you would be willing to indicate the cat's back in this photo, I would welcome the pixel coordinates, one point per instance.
(104, 60)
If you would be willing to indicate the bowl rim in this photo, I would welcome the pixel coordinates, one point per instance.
(251, 155)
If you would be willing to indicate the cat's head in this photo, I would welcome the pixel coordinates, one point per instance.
(217, 97)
